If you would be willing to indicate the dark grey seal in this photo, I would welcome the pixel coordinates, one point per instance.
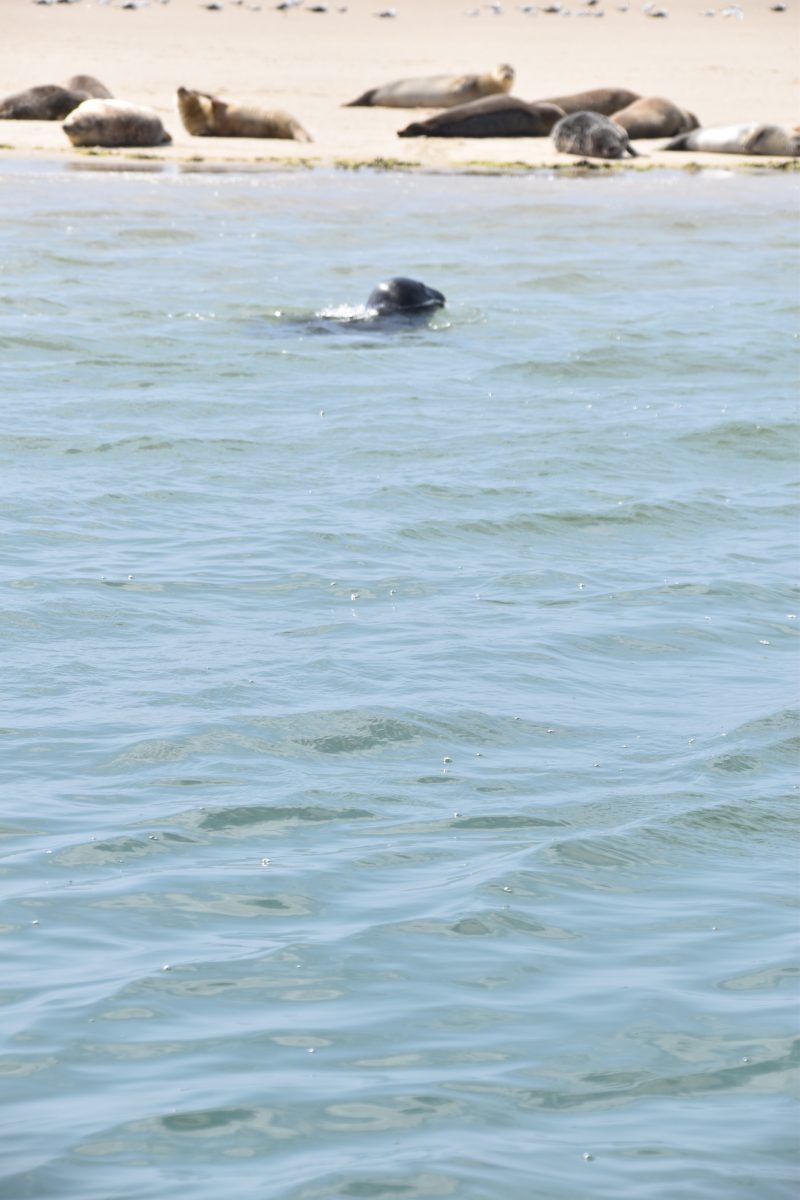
(591, 135)
(403, 297)
(50, 102)
(494, 116)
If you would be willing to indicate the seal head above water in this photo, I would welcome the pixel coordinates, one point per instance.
(404, 296)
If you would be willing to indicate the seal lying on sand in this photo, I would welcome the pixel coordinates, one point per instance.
(741, 139)
(438, 91)
(653, 117)
(114, 123)
(91, 86)
(591, 135)
(495, 116)
(50, 101)
(599, 100)
(401, 296)
(208, 116)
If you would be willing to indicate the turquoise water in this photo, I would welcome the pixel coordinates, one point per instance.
(400, 731)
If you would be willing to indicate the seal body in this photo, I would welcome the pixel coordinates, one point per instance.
(403, 296)
(50, 102)
(599, 100)
(652, 117)
(90, 86)
(495, 116)
(438, 91)
(591, 136)
(208, 116)
(114, 123)
(750, 138)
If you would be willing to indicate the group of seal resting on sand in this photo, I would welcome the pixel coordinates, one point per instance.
(596, 124)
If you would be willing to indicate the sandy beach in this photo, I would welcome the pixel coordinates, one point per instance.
(724, 68)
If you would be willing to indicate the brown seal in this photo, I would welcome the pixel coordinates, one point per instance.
(653, 117)
(599, 100)
(208, 116)
(98, 122)
(91, 86)
(494, 116)
(591, 135)
(438, 91)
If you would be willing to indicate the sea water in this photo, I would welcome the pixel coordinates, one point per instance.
(400, 725)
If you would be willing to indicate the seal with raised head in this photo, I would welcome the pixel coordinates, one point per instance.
(208, 116)
(653, 117)
(591, 135)
(402, 296)
(49, 102)
(114, 123)
(437, 91)
(598, 100)
(494, 116)
(749, 138)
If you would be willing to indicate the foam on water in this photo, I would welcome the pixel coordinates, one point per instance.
(401, 726)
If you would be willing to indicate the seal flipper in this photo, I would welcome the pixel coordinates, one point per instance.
(362, 101)
(678, 143)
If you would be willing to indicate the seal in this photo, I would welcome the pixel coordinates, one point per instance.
(591, 135)
(437, 91)
(741, 139)
(208, 116)
(400, 295)
(49, 102)
(114, 123)
(495, 116)
(91, 86)
(652, 117)
(599, 100)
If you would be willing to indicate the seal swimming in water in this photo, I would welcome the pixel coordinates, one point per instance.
(437, 91)
(599, 100)
(494, 116)
(750, 138)
(208, 116)
(114, 123)
(652, 117)
(402, 296)
(591, 135)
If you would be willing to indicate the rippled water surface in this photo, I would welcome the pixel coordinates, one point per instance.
(400, 729)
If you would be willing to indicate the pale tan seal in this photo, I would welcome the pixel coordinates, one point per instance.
(50, 101)
(653, 117)
(591, 135)
(749, 138)
(438, 91)
(208, 116)
(114, 123)
(494, 116)
(599, 100)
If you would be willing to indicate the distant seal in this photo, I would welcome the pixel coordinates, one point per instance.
(208, 116)
(599, 100)
(495, 116)
(91, 86)
(437, 91)
(50, 102)
(402, 296)
(591, 135)
(653, 117)
(114, 123)
(741, 139)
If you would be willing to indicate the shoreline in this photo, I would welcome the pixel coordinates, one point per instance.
(725, 70)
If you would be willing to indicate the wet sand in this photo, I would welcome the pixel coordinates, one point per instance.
(722, 68)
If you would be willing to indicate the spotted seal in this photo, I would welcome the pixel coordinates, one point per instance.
(749, 138)
(99, 122)
(208, 116)
(437, 91)
(653, 116)
(591, 135)
(494, 116)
